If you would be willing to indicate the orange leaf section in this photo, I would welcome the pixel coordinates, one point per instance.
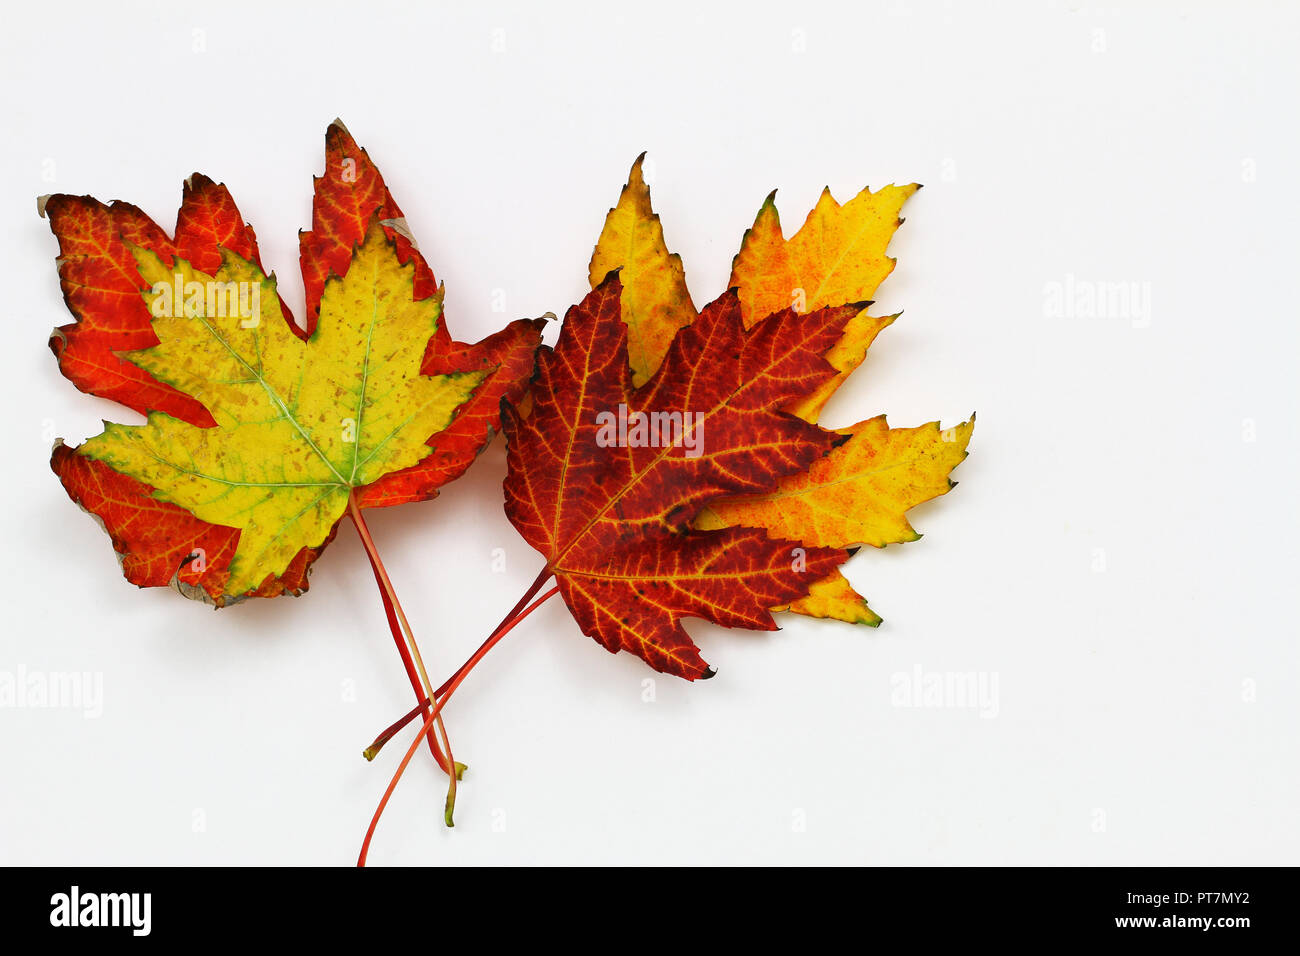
(104, 292)
(161, 544)
(836, 256)
(612, 517)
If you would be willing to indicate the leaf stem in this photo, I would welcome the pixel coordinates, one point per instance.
(409, 665)
(421, 708)
(505, 628)
(404, 638)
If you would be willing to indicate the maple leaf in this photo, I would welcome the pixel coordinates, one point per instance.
(860, 492)
(260, 432)
(613, 519)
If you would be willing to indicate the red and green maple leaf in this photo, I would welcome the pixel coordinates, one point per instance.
(239, 478)
(261, 433)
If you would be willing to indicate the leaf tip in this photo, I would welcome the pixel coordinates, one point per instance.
(636, 179)
(196, 182)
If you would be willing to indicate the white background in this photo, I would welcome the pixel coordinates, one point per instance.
(1120, 555)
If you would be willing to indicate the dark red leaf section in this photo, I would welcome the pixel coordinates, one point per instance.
(613, 520)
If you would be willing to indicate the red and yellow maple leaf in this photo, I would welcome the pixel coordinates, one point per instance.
(669, 464)
(613, 516)
(860, 492)
(261, 433)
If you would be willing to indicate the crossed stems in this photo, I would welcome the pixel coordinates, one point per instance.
(412, 661)
(438, 699)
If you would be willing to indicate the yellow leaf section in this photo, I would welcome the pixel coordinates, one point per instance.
(837, 256)
(834, 597)
(655, 300)
(299, 424)
(845, 355)
(858, 494)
